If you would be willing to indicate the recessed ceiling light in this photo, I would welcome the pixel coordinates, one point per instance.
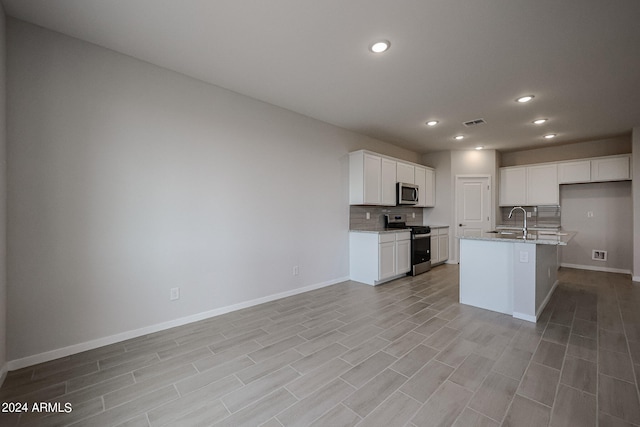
(526, 98)
(458, 137)
(549, 136)
(540, 121)
(479, 147)
(432, 122)
(380, 46)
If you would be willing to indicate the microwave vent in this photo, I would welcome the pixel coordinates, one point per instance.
(475, 122)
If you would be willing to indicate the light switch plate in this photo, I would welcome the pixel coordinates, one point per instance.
(524, 256)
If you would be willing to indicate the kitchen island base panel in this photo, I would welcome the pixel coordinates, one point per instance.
(509, 277)
(482, 284)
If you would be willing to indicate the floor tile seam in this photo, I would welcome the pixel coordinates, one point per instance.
(298, 400)
(397, 390)
(564, 361)
(633, 366)
(618, 418)
(226, 337)
(141, 356)
(524, 374)
(230, 348)
(172, 368)
(578, 389)
(76, 422)
(331, 409)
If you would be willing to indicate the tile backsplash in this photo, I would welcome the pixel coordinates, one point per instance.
(541, 216)
(358, 216)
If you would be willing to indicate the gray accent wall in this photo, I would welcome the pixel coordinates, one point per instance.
(609, 229)
(127, 179)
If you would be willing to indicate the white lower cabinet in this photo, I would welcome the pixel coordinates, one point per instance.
(403, 256)
(375, 258)
(439, 245)
(386, 260)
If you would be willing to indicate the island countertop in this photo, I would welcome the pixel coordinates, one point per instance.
(539, 237)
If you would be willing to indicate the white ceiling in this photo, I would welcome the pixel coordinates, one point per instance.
(450, 60)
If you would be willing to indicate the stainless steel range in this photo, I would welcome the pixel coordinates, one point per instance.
(420, 242)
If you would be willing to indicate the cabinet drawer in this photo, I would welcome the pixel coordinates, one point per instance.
(440, 230)
(405, 235)
(386, 237)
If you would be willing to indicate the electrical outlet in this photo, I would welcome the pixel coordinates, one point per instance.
(524, 256)
(589, 214)
(367, 215)
(175, 294)
(413, 215)
(528, 214)
(296, 270)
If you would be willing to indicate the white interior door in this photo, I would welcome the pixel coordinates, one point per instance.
(473, 207)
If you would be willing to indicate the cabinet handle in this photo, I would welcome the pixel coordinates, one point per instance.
(462, 225)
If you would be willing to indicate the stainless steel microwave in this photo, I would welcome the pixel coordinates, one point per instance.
(407, 194)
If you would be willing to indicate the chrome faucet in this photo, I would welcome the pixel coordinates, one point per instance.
(524, 214)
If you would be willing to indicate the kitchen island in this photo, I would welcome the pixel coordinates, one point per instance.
(507, 273)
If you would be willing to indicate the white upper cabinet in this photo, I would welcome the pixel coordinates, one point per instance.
(405, 173)
(542, 185)
(574, 172)
(529, 185)
(513, 186)
(425, 180)
(373, 178)
(611, 169)
(365, 179)
(388, 182)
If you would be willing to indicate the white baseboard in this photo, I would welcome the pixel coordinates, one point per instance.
(522, 316)
(534, 319)
(100, 342)
(546, 299)
(596, 268)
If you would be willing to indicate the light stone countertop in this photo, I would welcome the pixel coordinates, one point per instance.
(560, 238)
(380, 230)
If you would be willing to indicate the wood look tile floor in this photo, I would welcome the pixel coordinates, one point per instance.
(404, 353)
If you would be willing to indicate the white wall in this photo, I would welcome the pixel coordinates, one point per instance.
(3, 201)
(577, 150)
(608, 229)
(448, 164)
(441, 212)
(126, 179)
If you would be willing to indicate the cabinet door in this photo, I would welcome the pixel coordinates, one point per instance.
(405, 173)
(403, 256)
(610, 169)
(386, 260)
(574, 172)
(427, 193)
(542, 185)
(443, 248)
(513, 186)
(388, 182)
(435, 253)
(372, 179)
(420, 175)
